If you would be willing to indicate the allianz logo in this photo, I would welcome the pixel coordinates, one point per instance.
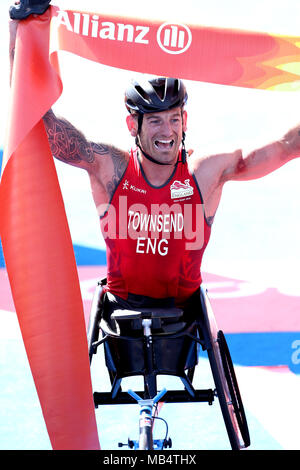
(172, 38)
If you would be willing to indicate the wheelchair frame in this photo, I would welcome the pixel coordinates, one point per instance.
(211, 340)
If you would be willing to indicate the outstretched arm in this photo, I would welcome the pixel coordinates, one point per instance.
(104, 163)
(66, 142)
(262, 161)
(214, 171)
(13, 26)
(69, 145)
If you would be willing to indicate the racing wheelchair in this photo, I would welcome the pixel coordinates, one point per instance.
(149, 342)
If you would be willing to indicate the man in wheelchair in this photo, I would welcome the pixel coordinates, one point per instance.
(156, 205)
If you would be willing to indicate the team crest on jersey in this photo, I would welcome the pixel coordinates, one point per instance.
(179, 189)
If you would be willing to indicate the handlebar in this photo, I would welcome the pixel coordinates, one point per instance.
(141, 401)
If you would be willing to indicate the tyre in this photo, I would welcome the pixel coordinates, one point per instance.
(228, 394)
(234, 391)
(225, 380)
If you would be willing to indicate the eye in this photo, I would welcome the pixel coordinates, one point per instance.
(154, 122)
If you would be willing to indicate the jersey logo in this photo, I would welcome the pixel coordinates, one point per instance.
(179, 189)
(131, 187)
(125, 184)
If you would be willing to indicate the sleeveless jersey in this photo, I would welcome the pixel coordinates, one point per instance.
(155, 236)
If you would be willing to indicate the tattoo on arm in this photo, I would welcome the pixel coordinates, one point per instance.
(210, 219)
(70, 146)
(120, 165)
(67, 143)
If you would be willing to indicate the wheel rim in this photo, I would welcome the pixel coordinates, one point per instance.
(234, 391)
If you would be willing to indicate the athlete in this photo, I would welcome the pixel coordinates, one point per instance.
(157, 203)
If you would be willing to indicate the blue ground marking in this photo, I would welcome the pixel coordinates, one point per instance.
(265, 349)
(86, 256)
(203, 425)
(2, 262)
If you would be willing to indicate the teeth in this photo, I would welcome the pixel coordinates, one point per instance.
(164, 142)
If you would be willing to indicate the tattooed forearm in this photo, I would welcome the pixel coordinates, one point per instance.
(66, 142)
(120, 165)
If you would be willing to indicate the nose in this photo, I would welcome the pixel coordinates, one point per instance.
(166, 128)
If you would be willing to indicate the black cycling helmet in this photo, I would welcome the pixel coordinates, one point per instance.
(155, 95)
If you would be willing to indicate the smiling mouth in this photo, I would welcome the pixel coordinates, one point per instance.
(164, 144)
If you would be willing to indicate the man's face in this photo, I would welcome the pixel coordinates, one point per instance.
(161, 134)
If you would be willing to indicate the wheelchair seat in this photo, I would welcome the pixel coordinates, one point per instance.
(173, 349)
(163, 320)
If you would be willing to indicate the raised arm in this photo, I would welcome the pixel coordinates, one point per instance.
(262, 161)
(69, 145)
(214, 171)
(104, 163)
(13, 26)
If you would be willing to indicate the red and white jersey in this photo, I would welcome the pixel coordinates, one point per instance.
(155, 236)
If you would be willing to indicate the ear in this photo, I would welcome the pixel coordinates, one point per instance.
(132, 124)
(184, 121)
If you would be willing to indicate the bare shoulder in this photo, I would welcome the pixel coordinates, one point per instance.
(209, 172)
(210, 169)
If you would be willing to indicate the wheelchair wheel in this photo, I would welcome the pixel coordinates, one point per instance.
(94, 319)
(228, 394)
(233, 388)
(225, 381)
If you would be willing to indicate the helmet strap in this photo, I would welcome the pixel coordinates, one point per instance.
(183, 151)
(140, 121)
(149, 156)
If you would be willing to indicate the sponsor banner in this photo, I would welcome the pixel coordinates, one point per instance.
(215, 55)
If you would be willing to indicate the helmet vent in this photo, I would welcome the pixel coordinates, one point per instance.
(142, 92)
(176, 88)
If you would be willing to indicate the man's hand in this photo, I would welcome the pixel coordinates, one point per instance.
(23, 8)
